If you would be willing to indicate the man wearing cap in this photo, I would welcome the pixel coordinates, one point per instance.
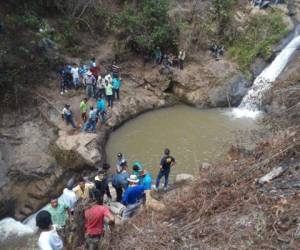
(133, 196)
(120, 161)
(49, 238)
(166, 162)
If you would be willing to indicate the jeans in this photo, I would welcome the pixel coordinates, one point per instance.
(131, 209)
(62, 86)
(90, 125)
(163, 173)
(101, 115)
(110, 100)
(99, 92)
(76, 82)
(89, 90)
(69, 120)
(116, 94)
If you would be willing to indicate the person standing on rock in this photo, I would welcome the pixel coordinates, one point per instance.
(166, 162)
(89, 83)
(101, 109)
(120, 181)
(90, 125)
(58, 210)
(100, 90)
(101, 181)
(67, 115)
(109, 94)
(157, 56)
(94, 216)
(133, 197)
(49, 238)
(181, 58)
(83, 109)
(82, 189)
(75, 75)
(120, 161)
(116, 88)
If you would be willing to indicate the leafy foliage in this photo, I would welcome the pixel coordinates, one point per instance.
(261, 33)
(147, 26)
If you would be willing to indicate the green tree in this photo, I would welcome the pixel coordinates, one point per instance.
(146, 26)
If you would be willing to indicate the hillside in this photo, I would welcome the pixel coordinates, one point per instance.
(226, 207)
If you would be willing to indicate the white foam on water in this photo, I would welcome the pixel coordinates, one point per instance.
(9, 227)
(252, 101)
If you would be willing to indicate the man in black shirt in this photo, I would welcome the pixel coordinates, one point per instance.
(166, 163)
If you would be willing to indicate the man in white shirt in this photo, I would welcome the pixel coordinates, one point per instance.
(49, 238)
(75, 74)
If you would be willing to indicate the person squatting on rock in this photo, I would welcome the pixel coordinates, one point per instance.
(167, 161)
(49, 238)
(67, 115)
(94, 216)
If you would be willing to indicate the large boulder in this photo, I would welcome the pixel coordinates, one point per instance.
(184, 178)
(78, 150)
(230, 93)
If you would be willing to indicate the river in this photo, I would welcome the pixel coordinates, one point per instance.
(193, 136)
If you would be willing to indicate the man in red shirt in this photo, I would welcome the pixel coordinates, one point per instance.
(94, 216)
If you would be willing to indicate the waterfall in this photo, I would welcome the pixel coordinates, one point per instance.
(252, 101)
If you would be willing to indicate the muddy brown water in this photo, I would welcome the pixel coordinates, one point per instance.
(193, 135)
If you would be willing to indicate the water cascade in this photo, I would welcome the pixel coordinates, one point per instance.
(252, 101)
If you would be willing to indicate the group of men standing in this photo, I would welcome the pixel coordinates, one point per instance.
(132, 189)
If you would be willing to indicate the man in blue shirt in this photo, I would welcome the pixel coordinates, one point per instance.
(116, 82)
(133, 196)
(101, 109)
(146, 179)
(120, 181)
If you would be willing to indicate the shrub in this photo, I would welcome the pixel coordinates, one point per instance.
(147, 26)
(262, 31)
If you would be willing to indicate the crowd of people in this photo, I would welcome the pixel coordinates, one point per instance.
(105, 89)
(169, 60)
(132, 191)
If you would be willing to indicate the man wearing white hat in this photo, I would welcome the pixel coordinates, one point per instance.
(133, 196)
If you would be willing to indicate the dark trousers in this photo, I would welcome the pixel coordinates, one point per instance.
(119, 192)
(163, 173)
(69, 120)
(110, 100)
(116, 94)
(180, 64)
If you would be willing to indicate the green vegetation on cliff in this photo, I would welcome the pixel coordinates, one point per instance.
(257, 39)
(146, 26)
